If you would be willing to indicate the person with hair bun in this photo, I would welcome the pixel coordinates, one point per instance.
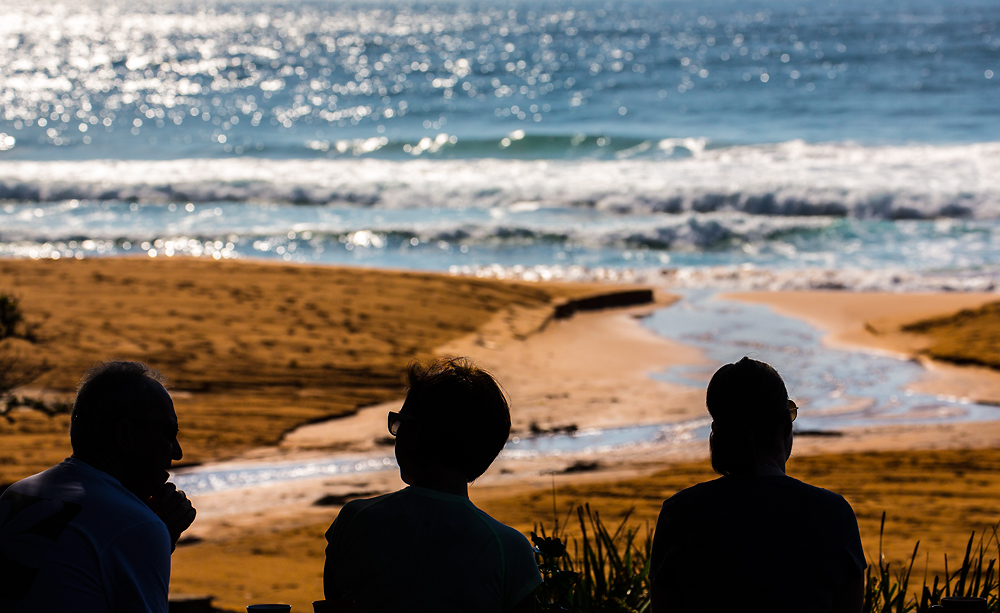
(427, 547)
(755, 539)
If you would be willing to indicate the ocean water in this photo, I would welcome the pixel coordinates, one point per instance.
(825, 143)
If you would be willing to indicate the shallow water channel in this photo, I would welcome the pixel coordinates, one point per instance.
(836, 389)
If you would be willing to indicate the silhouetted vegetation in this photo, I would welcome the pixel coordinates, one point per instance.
(976, 577)
(16, 370)
(607, 572)
(12, 322)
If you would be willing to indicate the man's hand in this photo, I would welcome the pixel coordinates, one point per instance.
(173, 507)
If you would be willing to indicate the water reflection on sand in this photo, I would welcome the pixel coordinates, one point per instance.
(837, 388)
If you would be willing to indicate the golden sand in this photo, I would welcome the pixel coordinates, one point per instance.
(251, 350)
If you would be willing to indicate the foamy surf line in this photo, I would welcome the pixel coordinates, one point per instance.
(747, 277)
(786, 179)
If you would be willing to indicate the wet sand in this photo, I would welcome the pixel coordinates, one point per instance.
(275, 348)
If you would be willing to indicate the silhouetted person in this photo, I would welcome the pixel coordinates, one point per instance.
(755, 539)
(427, 547)
(94, 533)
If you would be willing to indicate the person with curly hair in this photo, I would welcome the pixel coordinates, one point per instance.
(427, 547)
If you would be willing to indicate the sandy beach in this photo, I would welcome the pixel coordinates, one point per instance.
(308, 360)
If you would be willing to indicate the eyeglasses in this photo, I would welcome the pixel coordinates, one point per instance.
(397, 418)
(793, 409)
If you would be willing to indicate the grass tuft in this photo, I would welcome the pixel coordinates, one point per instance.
(608, 572)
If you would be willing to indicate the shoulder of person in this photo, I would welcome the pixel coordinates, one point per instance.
(809, 489)
(75, 482)
(349, 512)
(39, 483)
(354, 507)
(507, 535)
(372, 508)
(698, 491)
(819, 495)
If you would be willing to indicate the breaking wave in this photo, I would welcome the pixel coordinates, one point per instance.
(791, 179)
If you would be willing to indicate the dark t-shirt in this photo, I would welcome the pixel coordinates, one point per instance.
(73, 539)
(419, 550)
(754, 543)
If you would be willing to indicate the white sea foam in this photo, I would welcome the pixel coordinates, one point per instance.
(785, 179)
(751, 278)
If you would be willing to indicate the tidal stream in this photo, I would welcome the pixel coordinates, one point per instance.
(835, 388)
